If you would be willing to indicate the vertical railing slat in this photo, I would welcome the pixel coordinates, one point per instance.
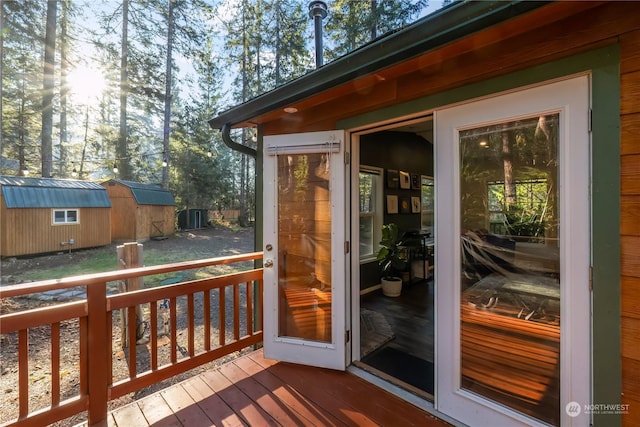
(83, 324)
(222, 316)
(110, 347)
(23, 372)
(55, 364)
(174, 326)
(261, 306)
(191, 323)
(207, 319)
(153, 324)
(132, 338)
(236, 311)
(249, 293)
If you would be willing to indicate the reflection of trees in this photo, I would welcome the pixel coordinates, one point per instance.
(508, 155)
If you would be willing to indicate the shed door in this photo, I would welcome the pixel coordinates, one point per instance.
(304, 248)
(513, 239)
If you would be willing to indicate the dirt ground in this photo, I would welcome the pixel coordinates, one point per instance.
(219, 240)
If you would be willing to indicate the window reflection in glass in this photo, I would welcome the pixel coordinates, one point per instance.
(510, 275)
(304, 246)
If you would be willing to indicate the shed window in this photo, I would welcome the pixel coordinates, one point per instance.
(65, 216)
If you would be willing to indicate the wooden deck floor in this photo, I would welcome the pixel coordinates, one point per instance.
(255, 391)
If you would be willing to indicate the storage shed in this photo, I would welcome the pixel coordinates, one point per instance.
(39, 215)
(140, 211)
(190, 219)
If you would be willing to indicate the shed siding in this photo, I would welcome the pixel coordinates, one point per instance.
(30, 231)
(154, 221)
(133, 222)
(123, 212)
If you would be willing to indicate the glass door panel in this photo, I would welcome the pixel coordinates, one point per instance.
(304, 247)
(510, 281)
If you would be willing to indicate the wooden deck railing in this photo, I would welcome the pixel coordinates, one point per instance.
(231, 302)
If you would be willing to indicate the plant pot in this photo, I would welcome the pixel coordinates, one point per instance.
(391, 286)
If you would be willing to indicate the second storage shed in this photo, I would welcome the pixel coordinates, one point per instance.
(140, 211)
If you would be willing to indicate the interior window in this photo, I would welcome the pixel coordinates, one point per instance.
(426, 195)
(370, 203)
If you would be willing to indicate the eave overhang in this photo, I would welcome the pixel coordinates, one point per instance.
(431, 32)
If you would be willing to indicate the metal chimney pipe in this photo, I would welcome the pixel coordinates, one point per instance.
(318, 11)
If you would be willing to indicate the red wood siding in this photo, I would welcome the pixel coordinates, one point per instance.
(630, 221)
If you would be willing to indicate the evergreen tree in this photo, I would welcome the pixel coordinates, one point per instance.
(351, 24)
(48, 87)
(185, 32)
(22, 35)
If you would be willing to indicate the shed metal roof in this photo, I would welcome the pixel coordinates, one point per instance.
(26, 192)
(148, 194)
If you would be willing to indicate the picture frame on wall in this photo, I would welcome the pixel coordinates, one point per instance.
(415, 181)
(415, 204)
(392, 204)
(405, 180)
(405, 206)
(392, 178)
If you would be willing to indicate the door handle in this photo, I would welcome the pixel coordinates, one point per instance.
(268, 263)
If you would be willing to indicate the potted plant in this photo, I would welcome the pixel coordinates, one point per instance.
(391, 259)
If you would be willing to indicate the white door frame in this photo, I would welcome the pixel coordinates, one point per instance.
(571, 99)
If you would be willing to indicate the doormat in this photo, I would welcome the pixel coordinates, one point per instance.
(403, 366)
(375, 331)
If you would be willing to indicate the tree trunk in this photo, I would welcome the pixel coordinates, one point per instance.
(242, 215)
(374, 19)
(47, 92)
(64, 91)
(509, 184)
(167, 99)
(122, 152)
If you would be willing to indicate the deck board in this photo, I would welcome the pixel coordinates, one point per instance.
(281, 413)
(158, 412)
(254, 391)
(218, 411)
(249, 411)
(185, 407)
(129, 414)
(287, 394)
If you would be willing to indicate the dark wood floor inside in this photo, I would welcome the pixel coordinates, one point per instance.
(410, 316)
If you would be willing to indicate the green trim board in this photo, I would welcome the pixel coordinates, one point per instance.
(603, 66)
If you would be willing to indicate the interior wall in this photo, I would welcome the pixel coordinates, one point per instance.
(401, 151)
